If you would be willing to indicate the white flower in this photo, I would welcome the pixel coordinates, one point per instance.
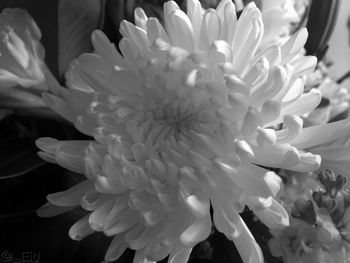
(336, 154)
(301, 6)
(320, 241)
(278, 16)
(335, 98)
(182, 121)
(21, 53)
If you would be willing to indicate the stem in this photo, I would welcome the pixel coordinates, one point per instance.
(54, 86)
(344, 77)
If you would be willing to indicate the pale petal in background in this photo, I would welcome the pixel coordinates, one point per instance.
(339, 44)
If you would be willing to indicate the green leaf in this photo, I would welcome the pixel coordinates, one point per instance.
(76, 21)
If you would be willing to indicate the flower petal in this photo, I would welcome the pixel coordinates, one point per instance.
(72, 196)
(311, 136)
(49, 210)
(246, 245)
(198, 231)
(116, 248)
(179, 254)
(271, 213)
(80, 229)
(180, 30)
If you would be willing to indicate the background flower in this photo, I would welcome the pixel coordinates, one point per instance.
(278, 17)
(319, 223)
(22, 55)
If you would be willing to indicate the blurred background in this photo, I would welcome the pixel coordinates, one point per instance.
(339, 50)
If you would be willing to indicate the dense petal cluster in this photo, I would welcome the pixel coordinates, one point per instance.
(21, 53)
(183, 120)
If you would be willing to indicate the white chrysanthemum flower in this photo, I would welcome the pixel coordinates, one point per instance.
(21, 53)
(181, 122)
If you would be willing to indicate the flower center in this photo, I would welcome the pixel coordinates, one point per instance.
(167, 124)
